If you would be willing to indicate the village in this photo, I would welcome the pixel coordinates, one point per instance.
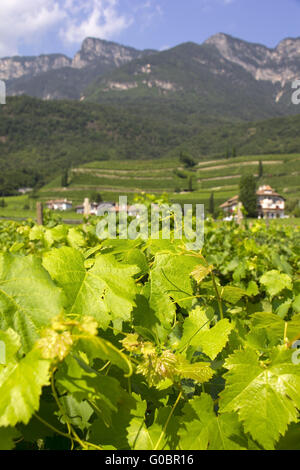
(270, 205)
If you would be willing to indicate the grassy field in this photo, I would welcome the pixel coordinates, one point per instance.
(20, 207)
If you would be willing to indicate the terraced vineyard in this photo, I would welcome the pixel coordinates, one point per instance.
(112, 178)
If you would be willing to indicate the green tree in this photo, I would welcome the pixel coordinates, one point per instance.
(190, 184)
(260, 169)
(96, 197)
(187, 160)
(227, 154)
(65, 179)
(211, 207)
(248, 195)
(234, 154)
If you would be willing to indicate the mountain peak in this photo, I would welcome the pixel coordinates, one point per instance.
(289, 46)
(220, 38)
(95, 50)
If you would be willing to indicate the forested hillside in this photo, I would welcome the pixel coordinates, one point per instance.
(39, 139)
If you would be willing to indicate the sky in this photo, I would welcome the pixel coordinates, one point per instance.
(33, 27)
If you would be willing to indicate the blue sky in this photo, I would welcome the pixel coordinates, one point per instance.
(31, 27)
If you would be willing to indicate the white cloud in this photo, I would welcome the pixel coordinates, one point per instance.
(25, 21)
(97, 18)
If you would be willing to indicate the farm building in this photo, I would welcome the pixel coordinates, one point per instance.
(270, 205)
(92, 208)
(59, 205)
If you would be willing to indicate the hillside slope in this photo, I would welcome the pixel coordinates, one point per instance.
(221, 177)
(40, 139)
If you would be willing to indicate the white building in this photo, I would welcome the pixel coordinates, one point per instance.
(59, 205)
(270, 205)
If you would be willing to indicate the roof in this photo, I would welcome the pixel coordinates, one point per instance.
(59, 201)
(233, 200)
(265, 190)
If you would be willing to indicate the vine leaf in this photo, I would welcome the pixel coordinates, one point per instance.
(202, 429)
(25, 292)
(275, 281)
(198, 335)
(105, 292)
(200, 272)
(20, 388)
(7, 437)
(265, 395)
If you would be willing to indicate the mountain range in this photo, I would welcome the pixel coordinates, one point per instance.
(112, 102)
(224, 76)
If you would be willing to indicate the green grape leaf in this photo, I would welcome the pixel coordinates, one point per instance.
(283, 308)
(265, 395)
(103, 393)
(78, 412)
(200, 272)
(252, 289)
(201, 372)
(196, 333)
(201, 429)
(116, 434)
(275, 327)
(137, 432)
(296, 304)
(11, 343)
(7, 438)
(154, 437)
(25, 292)
(275, 282)
(232, 294)
(213, 341)
(193, 325)
(105, 292)
(20, 388)
(98, 348)
(75, 238)
(171, 275)
(170, 279)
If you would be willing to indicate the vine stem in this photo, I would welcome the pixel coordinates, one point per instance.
(285, 334)
(199, 255)
(52, 427)
(48, 425)
(168, 420)
(218, 295)
(64, 414)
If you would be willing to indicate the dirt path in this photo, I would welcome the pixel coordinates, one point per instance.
(230, 165)
(120, 172)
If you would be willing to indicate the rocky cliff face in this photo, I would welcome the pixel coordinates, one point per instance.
(56, 76)
(96, 50)
(279, 65)
(16, 67)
